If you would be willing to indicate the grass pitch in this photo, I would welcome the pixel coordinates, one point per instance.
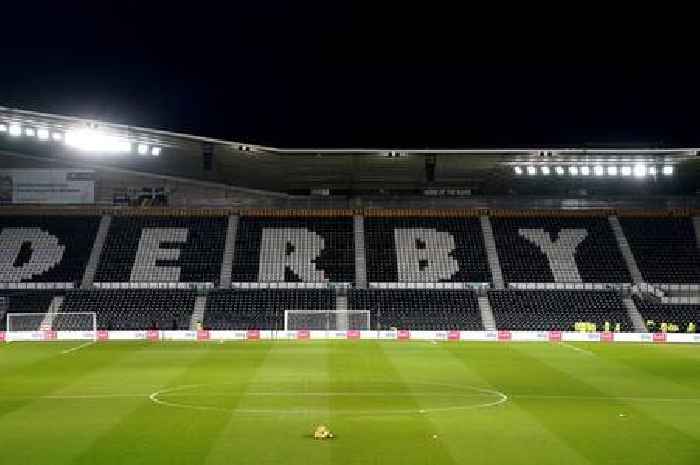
(387, 402)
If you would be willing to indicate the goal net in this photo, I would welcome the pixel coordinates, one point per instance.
(326, 320)
(83, 324)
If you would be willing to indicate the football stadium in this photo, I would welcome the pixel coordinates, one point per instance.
(167, 298)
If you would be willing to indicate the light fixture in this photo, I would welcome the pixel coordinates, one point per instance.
(545, 170)
(626, 170)
(573, 171)
(42, 134)
(531, 170)
(518, 170)
(612, 170)
(640, 170)
(3, 127)
(57, 136)
(559, 170)
(15, 130)
(142, 149)
(668, 170)
(652, 171)
(598, 170)
(29, 132)
(89, 139)
(155, 151)
(585, 171)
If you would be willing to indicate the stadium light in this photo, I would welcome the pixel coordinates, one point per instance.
(546, 170)
(559, 170)
(3, 127)
(142, 149)
(626, 170)
(518, 170)
(531, 170)
(585, 171)
(89, 139)
(15, 130)
(155, 151)
(639, 170)
(598, 170)
(573, 171)
(667, 170)
(29, 132)
(57, 136)
(42, 134)
(652, 171)
(612, 170)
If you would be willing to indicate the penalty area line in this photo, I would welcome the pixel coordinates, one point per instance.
(577, 349)
(73, 349)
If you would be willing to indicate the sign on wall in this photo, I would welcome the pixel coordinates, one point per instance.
(54, 186)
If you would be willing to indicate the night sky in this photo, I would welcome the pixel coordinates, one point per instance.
(326, 74)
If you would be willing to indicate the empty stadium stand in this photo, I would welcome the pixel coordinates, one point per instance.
(665, 249)
(419, 309)
(297, 249)
(558, 249)
(263, 308)
(540, 310)
(163, 250)
(679, 314)
(26, 302)
(420, 250)
(132, 309)
(45, 249)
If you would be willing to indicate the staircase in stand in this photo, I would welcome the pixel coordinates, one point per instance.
(229, 249)
(492, 253)
(625, 249)
(94, 260)
(54, 308)
(200, 305)
(487, 319)
(360, 260)
(635, 316)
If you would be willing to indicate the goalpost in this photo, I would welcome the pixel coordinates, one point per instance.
(78, 325)
(326, 320)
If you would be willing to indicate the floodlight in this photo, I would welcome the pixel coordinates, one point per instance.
(93, 140)
(531, 170)
(155, 151)
(612, 170)
(3, 127)
(640, 170)
(42, 134)
(518, 170)
(15, 130)
(29, 132)
(668, 170)
(626, 171)
(559, 170)
(545, 170)
(652, 171)
(57, 136)
(142, 149)
(573, 171)
(598, 170)
(585, 171)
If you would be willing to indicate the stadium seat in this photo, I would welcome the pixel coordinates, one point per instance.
(679, 314)
(25, 302)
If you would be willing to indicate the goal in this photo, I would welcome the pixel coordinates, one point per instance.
(326, 320)
(81, 325)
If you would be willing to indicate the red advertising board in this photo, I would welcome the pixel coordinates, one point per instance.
(303, 334)
(49, 335)
(504, 336)
(253, 334)
(607, 337)
(153, 335)
(554, 336)
(2, 336)
(352, 334)
(659, 337)
(102, 335)
(453, 336)
(403, 335)
(203, 335)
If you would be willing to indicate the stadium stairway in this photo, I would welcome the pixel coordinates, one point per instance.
(229, 250)
(696, 224)
(625, 250)
(487, 319)
(360, 258)
(54, 308)
(635, 316)
(492, 253)
(341, 305)
(200, 305)
(96, 253)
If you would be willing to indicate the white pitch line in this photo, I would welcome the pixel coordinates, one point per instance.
(68, 351)
(577, 349)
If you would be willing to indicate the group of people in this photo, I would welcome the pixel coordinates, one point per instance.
(665, 327)
(588, 327)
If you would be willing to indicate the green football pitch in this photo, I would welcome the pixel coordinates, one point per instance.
(387, 402)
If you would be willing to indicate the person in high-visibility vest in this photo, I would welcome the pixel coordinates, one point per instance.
(663, 327)
(617, 327)
(691, 327)
(607, 326)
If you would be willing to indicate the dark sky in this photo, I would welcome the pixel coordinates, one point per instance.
(329, 74)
